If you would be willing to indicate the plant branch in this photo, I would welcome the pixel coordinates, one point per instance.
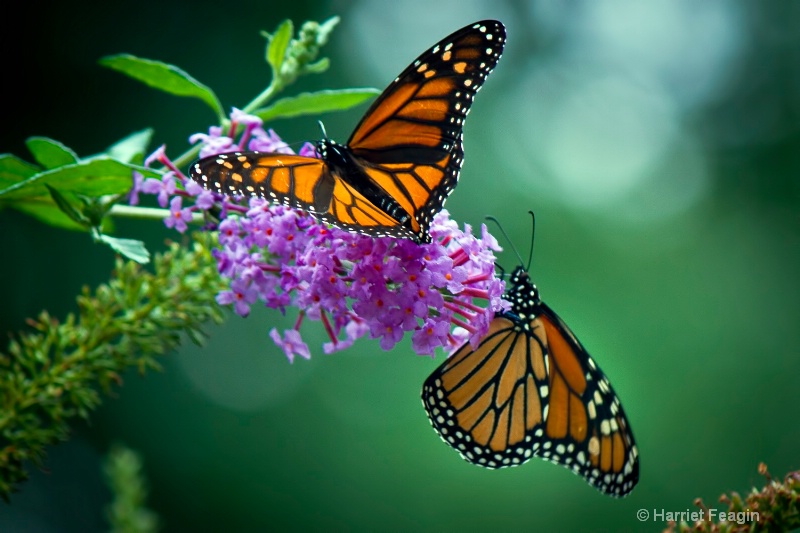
(54, 374)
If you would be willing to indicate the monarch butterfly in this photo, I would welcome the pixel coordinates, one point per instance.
(401, 161)
(531, 389)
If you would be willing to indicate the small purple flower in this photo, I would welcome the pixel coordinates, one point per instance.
(240, 117)
(164, 188)
(178, 217)
(268, 141)
(240, 295)
(203, 198)
(214, 142)
(389, 334)
(250, 122)
(291, 343)
(158, 155)
(138, 179)
(430, 336)
(308, 150)
(354, 330)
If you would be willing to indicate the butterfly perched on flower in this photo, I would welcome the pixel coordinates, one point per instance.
(529, 389)
(401, 161)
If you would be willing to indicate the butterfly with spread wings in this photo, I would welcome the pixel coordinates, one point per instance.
(402, 160)
(529, 389)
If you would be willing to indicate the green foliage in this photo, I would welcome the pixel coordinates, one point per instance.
(54, 374)
(127, 512)
(50, 153)
(314, 103)
(69, 192)
(130, 248)
(164, 77)
(278, 45)
(95, 177)
(290, 57)
(67, 207)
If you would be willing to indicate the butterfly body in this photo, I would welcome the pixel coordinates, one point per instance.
(531, 389)
(402, 160)
(342, 163)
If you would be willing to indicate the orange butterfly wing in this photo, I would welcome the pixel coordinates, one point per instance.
(486, 403)
(410, 141)
(288, 179)
(586, 423)
(530, 389)
(403, 158)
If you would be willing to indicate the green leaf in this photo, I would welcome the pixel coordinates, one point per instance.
(315, 103)
(14, 170)
(95, 177)
(130, 248)
(318, 67)
(95, 209)
(50, 153)
(162, 76)
(132, 148)
(46, 211)
(325, 29)
(278, 43)
(66, 206)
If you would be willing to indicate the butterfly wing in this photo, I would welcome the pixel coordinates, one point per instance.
(586, 428)
(297, 181)
(486, 403)
(352, 210)
(401, 161)
(531, 389)
(409, 142)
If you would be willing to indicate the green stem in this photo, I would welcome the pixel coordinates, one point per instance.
(147, 213)
(274, 87)
(187, 157)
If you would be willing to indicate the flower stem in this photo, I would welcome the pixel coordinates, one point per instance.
(147, 213)
(274, 87)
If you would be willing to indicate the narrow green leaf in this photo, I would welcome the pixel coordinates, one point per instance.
(95, 177)
(278, 43)
(325, 29)
(315, 103)
(50, 153)
(132, 148)
(13, 170)
(130, 248)
(317, 67)
(162, 76)
(66, 206)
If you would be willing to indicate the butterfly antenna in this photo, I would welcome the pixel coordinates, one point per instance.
(322, 127)
(516, 252)
(533, 233)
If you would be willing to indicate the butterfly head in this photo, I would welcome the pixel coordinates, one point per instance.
(324, 147)
(522, 293)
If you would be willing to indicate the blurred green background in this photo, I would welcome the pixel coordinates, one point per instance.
(659, 145)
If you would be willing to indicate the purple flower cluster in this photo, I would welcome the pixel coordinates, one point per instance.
(355, 285)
